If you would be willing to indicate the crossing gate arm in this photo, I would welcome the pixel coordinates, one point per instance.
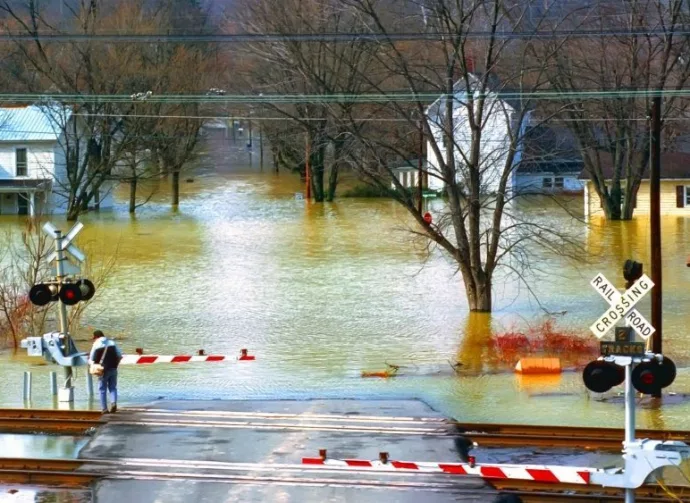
(150, 359)
(642, 459)
(537, 473)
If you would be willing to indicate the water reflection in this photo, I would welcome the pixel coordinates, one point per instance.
(41, 446)
(321, 292)
(10, 494)
(475, 351)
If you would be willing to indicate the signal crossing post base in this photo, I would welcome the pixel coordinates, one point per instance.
(66, 395)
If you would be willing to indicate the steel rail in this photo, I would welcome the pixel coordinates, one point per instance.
(82, 472)
(485, 434)
(474, 429)
(85, 415)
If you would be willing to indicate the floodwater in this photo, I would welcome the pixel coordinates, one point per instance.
(320, 292)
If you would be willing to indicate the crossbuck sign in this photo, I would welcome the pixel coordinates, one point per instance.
(621, 306)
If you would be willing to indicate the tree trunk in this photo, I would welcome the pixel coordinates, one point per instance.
(317, 172)
(176, 188)
(332, 182)
(629, 204)
(97, 199)
(133, 194)
(72, 214)
(478, 291)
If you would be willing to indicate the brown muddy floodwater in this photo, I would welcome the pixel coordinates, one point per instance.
(321, 292)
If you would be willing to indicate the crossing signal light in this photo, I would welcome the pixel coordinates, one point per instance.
(43, 294)
(650, 377)
(87, 288)
(600, 376)
(69, 293)
(632, 271)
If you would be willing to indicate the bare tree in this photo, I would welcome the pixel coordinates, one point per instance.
(315, 67)
(639, 46)
(474, 129)
(82, 70)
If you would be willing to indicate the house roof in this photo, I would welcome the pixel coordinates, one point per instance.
(33, 123)
(674, 165)
(549, 148)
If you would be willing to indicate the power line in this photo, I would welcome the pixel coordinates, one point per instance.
(233, 38)
(342, 98)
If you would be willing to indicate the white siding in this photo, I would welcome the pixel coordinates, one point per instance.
(60, 194)
(494, 148)
(39, 158)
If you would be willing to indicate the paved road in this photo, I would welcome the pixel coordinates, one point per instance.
(226, 451)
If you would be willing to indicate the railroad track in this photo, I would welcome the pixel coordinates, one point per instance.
(63, 422)
(70, 473)
(485, 434)
(76, 422)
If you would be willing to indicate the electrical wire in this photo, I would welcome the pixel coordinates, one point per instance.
(344, 97)
(234, 38)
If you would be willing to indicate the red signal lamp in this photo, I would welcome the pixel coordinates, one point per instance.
(650, 377)
(70, 294)
(427, 217)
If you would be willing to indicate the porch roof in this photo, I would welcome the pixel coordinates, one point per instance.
(24, 184)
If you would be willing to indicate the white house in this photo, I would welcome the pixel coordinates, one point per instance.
(546, 160)
(33, 175)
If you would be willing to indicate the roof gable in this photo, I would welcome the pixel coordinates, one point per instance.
(495, 89)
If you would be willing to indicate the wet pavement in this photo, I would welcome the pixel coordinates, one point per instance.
(252, 450)
(220, 451)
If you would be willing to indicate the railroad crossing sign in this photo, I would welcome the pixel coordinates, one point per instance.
(621, 306)
(75, 252)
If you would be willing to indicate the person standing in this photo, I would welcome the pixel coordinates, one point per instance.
(105, 352)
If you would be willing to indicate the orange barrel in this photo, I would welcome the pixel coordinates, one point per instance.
(538, 366)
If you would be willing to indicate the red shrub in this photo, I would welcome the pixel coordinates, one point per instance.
(544, 339)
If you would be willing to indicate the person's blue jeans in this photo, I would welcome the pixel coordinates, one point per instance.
(108, 382)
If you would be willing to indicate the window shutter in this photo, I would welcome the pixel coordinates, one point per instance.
(680, 196)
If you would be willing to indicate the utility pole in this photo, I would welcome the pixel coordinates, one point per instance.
(306, 165)
(655, 222)
(261, 146)
(419, 168)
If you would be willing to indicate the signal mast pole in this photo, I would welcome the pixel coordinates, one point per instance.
(62, 309)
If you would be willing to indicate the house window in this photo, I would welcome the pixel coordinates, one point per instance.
(687, 195)
(20, 161)
(558, 182)
(546, 182)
